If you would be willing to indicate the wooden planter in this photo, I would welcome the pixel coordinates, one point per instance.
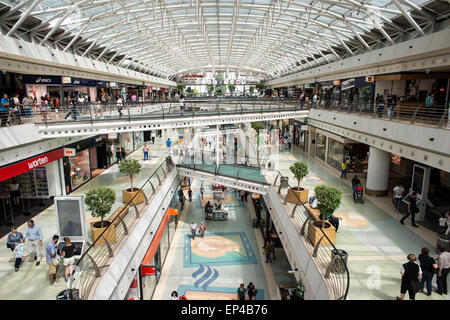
(110, 235)
(314, 233)
(301, 193)
(128, 194)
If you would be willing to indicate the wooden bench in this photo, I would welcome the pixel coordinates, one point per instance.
(315, 213)
(119, 213)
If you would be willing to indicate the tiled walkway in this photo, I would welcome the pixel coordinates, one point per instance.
(376, 242)
(213, 267)
(31, 282)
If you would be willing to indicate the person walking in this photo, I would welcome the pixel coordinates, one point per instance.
(118, 155)
(412, 210)
(119, 103)
(14, 238)
(182, 105)
(428, 266)
(182, 200)
(411, 277)
(98, 108)
(202, 229)
(153, 135)
(168, 143)
(355, 183)
(145, 149)
(34, 237)
(251, 291)
(174, 295)
(18, 253)
(51, 257)
(289, 142)
(241, 291)
(397, 195)
(443, 223)
(429, 102)
(193, 229)
(4, 110)
(268, 252)
(190, 195)
(343, 170)
(67, 252)
(443, 270)
(123, 154)
(202, 191)
(380, 101)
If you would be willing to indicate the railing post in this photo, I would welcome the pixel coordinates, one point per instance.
(110, 252)
(316, 247)
(413, 118)
(96, 268)
(302, 230)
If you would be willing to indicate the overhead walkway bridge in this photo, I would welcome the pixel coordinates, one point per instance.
(86, 120)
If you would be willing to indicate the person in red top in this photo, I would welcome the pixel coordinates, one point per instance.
(145, 149)
(202, 229)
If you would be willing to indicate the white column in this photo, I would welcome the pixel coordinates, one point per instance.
(378, 172)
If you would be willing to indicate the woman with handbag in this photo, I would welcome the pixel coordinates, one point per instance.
(412, 210)
(411, 277)
(14, 238)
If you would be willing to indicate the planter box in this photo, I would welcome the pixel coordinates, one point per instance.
(110, 235)
(301, 193)
(314, 233)
(128, 194)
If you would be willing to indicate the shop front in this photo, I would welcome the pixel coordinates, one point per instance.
(325, 91)
(153, 262)
(300, 135)
(365, 87)
(84, 160)
(36, 180)
(78, 87)
(43, 86)
(348, 94)
(12, 83)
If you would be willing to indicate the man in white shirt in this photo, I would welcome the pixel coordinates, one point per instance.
(81, 102)
(182, 105)
(397, 195)
(17, 107)
(193, 229)
(119, 106)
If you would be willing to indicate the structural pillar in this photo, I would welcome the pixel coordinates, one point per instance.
(378, 172)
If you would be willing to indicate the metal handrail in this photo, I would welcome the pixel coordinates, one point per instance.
(88, 258)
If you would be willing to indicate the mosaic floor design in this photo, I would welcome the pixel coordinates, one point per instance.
(231, 200)
(219, 249)
(214, 293)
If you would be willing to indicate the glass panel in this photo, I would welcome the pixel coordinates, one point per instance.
(164, 245)
(321, 141)
(80, 170)
(335, 153)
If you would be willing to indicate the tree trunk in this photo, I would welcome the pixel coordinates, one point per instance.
(131, 179)
(101, 222)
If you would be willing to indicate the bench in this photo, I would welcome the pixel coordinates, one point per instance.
(119, 213)
(315, 213)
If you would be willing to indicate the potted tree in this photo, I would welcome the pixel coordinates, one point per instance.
(100, 201)
(329, 199)
(131, 167)
(300, 170)
(231, 88)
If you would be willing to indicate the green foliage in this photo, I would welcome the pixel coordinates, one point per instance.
(300, 170)
(231, 88)
(100, 201)
(210, 88)
(181, 87)
(260, 86)
(257, 126)
(251, 90)
(130, 167)
(328, 198)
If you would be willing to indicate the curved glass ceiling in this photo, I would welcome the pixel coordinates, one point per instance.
(270, 38)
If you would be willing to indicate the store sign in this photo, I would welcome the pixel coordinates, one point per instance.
(336, 82)
(147, 271)
(66, 80)
(347, 84)
(101, 83)
(30, 164)
(41, 79)
(112, 136)
(113, 84)
(70, 152)
(370, 79)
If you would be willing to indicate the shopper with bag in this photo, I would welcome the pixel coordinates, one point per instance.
(18, 252)
(14, 238)
(411, 277)
(429, 267)
(202, 229)
(52, 259)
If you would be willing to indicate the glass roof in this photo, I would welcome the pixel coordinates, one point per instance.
(267, 37)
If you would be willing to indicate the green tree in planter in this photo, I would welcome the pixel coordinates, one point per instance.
(329, 199)
(100, 201)
(260, 86)
(257, 126)
(210, 88)
(300, 170)
(130, 167)
(231, 88)
(251, 90)
(181, 87)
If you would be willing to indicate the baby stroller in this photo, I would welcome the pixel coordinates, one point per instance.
(359, 194)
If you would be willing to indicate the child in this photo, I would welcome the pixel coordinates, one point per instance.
(18, 252)
(442, 223)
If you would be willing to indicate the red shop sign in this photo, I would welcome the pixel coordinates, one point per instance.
(147, 271)
(29, 164)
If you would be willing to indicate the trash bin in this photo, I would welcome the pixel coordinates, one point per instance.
(338, 265)
(443, 243)
(255, 223)
(66, 295)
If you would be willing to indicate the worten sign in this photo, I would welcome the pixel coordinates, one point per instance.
(18, 168)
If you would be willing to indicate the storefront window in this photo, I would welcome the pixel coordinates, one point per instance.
(321, 142)
(335, 153)
(80, 170)
(148, 282)
(138, 139)
(164, 245)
